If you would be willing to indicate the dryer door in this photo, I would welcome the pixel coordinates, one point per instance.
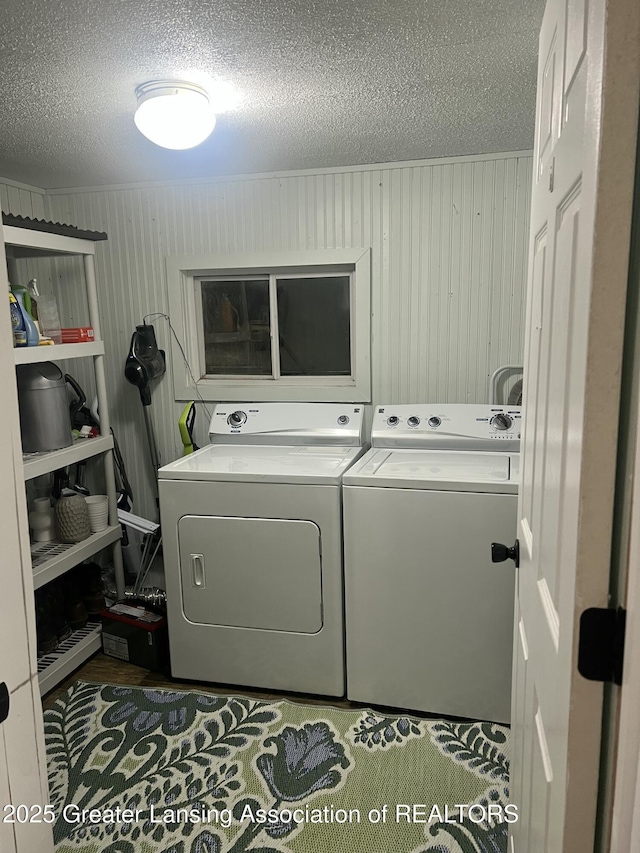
(262, 573)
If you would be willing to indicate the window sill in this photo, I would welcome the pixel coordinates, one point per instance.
(237, 390)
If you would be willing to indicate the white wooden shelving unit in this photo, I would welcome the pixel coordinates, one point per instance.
(52, 559)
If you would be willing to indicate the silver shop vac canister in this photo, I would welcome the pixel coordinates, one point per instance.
(45, 414)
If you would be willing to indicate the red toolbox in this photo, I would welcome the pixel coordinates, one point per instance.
(131, 632)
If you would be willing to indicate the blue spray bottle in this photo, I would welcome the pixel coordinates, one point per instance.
(17, 322)
(30, 327)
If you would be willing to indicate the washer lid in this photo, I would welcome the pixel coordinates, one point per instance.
(263, 463)
(435, 469)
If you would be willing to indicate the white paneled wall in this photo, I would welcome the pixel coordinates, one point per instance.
(21, 200)
(448, 241)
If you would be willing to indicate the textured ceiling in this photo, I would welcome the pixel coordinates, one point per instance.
(322, 82)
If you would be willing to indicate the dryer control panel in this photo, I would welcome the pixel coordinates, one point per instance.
(448, 426)
(288, 423)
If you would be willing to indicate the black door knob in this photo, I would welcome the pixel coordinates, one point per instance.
(500, 552)
(4, 702)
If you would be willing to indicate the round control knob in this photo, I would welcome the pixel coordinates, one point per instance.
(393, 420)
(343, 419)
(413, 421)
(236, 419)
(434, 422)
(501, 422)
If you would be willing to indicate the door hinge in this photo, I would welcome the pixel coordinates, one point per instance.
(601, 646)
(4, 702)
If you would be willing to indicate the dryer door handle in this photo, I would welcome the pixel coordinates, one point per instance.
(197, 571)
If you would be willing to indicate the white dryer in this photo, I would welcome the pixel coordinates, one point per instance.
(252, 537)
(429, 617)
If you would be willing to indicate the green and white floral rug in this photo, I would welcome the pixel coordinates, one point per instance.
(136, 770)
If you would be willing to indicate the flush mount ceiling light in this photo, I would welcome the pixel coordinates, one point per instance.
(174, 114)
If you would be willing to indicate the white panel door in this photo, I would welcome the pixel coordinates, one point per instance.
(584, 158)
(22, 763)
(22, 744)
(7, 833)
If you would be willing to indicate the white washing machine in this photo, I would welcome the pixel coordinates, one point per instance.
(429, 617)
(252, 537)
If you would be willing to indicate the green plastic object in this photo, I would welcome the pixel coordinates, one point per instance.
(185, 425)
(24, 297)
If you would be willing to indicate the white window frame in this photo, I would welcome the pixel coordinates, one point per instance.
(184, 274)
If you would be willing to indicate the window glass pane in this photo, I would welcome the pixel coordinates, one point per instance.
(235, 317)
(314, 327)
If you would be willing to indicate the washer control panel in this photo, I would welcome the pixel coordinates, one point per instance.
(237, 418)
(502, 421)
(288, 423)
(448, 426)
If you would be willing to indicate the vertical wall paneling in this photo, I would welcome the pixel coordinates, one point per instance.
(21, 199)
(448, 250)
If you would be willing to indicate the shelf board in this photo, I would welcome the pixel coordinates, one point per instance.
(56, 666)
(35, 464)
(29, 243)
(32, 355)
(52, 559)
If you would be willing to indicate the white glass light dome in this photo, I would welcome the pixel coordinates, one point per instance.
(174, 114)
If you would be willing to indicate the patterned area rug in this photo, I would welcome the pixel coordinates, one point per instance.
(136, 770)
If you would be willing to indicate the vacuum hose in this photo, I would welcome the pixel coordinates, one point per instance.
(148, 595)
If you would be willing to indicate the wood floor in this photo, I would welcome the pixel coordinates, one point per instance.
(102, 669)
